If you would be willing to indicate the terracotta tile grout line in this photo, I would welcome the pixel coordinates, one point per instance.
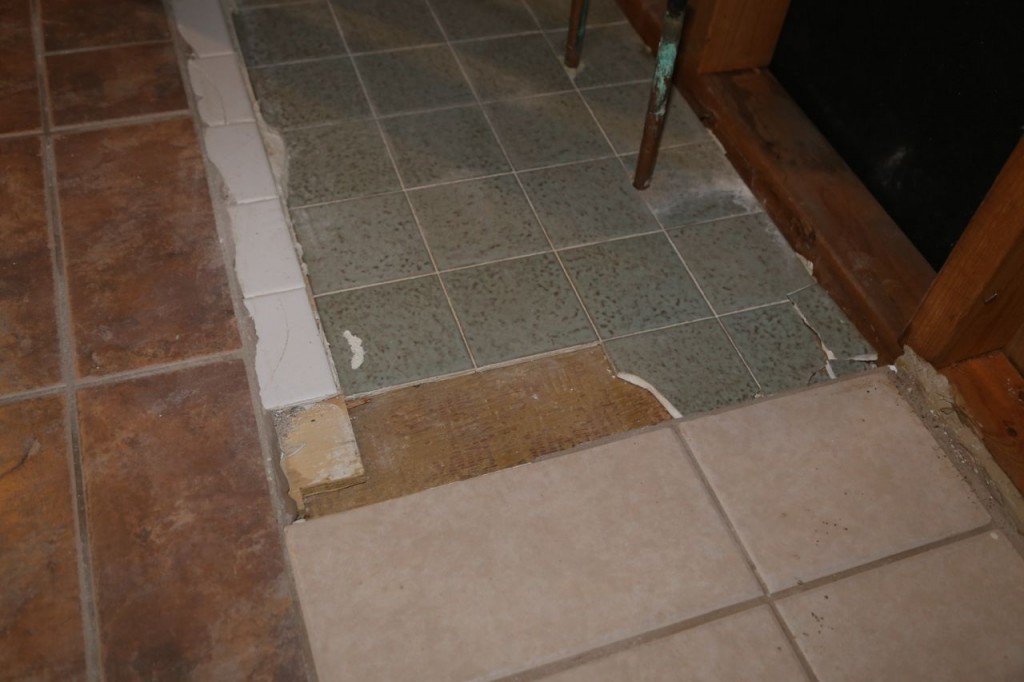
(405, 193)
(737, 540)
(87, 588)
(107, 123)
(98, 48)
(515, 171)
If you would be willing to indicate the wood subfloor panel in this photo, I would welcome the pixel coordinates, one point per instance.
(424, 436)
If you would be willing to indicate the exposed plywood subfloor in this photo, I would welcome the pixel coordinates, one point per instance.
(423, 436)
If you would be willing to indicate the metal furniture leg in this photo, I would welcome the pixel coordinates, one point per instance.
(661, 88)
(577, 32)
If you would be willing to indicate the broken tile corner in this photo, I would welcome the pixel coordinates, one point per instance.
(318, 448)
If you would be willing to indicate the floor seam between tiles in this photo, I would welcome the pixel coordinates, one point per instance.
(107, 123)
(738, 541)
(838, 576)
(97, 48)
(91, 646)
(405, 193)
(548, 669)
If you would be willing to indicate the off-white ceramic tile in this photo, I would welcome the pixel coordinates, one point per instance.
(291, 362)
(265, 257)
(948, 615)
(518, 568)
(221, 97)
(823, 480)
(237, 152)
(747, 646)
(201, 23)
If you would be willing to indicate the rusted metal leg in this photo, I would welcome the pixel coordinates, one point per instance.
(654, 123)
(577, 31)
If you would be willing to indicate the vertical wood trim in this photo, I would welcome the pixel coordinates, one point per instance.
(730, 35)
(976, 303)
(1015, 349)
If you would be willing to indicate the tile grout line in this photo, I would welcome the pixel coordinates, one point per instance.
(515, 172)
(92, 644)
(737, 540)
(405, 193)
(98, 48)
(107, 123)
(446, 183)
(546, 670)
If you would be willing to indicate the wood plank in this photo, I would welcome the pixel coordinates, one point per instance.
(720, 35)
(1015, 350)
(976, 304)
(992, 391)
(730, 35)
(860, 255)
(423, 436)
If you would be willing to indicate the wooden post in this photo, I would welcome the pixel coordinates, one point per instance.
(976, 303)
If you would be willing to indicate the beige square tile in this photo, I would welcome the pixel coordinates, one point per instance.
(515, 569)
(747, 646)
(830, 478)
(953, 613)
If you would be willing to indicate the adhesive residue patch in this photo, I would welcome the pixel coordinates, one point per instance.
(355, 346)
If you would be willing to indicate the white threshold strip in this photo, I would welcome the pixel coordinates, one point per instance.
(293, 363)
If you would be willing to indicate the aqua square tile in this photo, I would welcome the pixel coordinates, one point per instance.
(620, 110)
(587, 202)
(405, 329)
(442, 146)
(372, 25)
(694, 184)
(517, 308)
(408, 80)
(546, 130)
(506, 68)
(555, 13)
(360, 242)
(693, 365)
(632, 285)
(611, 54)
(835, 329)
(478, 221)
(780, 349)
(480, 18)
(335, 162)
(270, 35)
(741, 262)
(307, 93)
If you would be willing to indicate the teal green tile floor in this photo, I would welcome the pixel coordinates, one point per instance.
(462, 200)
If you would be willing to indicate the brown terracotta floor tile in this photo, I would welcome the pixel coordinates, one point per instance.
(145, 272)
(28, 326)
(114, 83)
(19, 94)
(40, 614)
(188, 561)
(71, 24)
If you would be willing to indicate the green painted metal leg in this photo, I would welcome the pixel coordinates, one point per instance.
(661, 88)
(577, 32)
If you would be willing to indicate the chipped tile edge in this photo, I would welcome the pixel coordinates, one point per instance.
(318, 449)
(314, 392)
